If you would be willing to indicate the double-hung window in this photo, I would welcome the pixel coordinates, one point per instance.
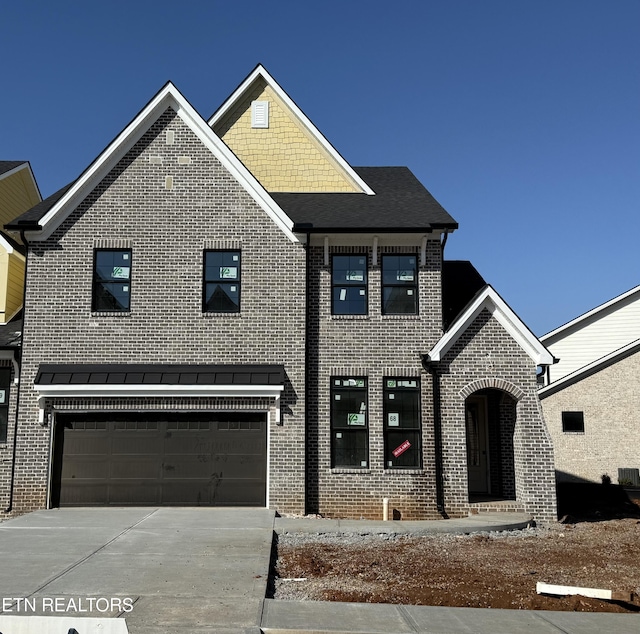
(5, 383)
(111, 280)
(349, 284)
(402, 437)
(221, 292)
(399, 285)
(349, 422)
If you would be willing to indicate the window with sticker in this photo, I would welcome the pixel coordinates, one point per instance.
(349, 423)
(349, 284)
(221, 293)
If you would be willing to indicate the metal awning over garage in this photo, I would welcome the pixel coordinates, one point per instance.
(140, 380)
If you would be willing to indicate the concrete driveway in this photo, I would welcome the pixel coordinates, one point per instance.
(162, 569)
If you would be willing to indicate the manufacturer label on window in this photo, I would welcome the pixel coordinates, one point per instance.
(393, 419)
(356, 419)
(120, 273)
(228, 272)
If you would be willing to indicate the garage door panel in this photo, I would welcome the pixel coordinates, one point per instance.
(156, 458)
(136, 492)
(134, 467)
(140, 443)
(86, 467)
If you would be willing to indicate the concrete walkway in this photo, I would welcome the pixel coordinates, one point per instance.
(205, 571)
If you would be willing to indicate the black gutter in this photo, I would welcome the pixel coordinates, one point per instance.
(430, 367)
(304, 227)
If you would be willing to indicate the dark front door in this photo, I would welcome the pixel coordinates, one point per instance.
(160, 458)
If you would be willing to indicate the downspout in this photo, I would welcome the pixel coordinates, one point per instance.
(12, 479)
(307, 363)
(443, 244)
(430, 367)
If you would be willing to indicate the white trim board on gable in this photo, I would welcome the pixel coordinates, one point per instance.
(260, 71)
(168, 97)
(489, 299)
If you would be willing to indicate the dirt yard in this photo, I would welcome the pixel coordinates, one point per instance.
(485, 570)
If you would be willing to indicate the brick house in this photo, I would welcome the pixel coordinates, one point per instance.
(226, 312)
(590, 397)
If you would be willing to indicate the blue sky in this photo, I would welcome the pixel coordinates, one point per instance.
(521, 117)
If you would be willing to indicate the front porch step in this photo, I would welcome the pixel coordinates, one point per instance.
(495, 506)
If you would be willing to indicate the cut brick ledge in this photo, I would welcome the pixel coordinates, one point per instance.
(496, 506)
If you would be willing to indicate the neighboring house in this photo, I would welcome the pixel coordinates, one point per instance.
(240, 317)
(590, 398)
(18, 193)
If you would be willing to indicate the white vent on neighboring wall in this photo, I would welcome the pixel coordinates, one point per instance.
(259, 114)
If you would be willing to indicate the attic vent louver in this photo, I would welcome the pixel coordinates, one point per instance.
(259, 114)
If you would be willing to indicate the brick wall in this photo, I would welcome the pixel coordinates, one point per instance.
(486, 357)
(167, 230)
(374, 346)
(610, 401)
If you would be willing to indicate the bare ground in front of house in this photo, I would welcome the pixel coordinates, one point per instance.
(485, 570)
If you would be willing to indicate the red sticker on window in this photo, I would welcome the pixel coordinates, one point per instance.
(401, 449)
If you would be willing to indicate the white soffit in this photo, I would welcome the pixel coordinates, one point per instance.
(168, 97)
(165, 390)
(490, 300)
(260, 71)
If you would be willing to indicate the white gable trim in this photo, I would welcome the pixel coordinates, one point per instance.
(488, 299)
(594, 311)
(169, 96)
(260, 71)
(8, 247)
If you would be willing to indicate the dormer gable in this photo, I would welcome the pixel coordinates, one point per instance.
(278, 143)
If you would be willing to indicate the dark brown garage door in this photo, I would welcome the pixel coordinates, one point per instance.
(159, 458)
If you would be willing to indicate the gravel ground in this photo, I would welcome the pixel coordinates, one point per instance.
(496, 570)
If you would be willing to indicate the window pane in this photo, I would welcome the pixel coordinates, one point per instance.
(222, 265)
(398, 300)
(349, 300)
(349, 269)
(350, 448)
(113, 265)
(222, 298)
(4, 413)
(399, 284)
(399, 269)
(402, 449)
(402, 409)
(111, 297)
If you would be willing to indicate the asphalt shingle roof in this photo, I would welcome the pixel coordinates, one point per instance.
(7, 166)
(401, 203)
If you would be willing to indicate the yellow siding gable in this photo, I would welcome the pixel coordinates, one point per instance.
(17, 194)
(11, 284)
(283, 157)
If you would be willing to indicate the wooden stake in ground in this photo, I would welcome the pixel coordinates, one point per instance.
(594, 593)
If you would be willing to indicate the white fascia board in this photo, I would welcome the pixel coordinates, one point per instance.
(366, 239)
(490, 300)
(141, 390)
(260, 71)
(5, 244)
(169, 96)
(594, 311)
(590, 368)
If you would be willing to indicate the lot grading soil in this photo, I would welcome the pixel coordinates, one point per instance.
(486, 570)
